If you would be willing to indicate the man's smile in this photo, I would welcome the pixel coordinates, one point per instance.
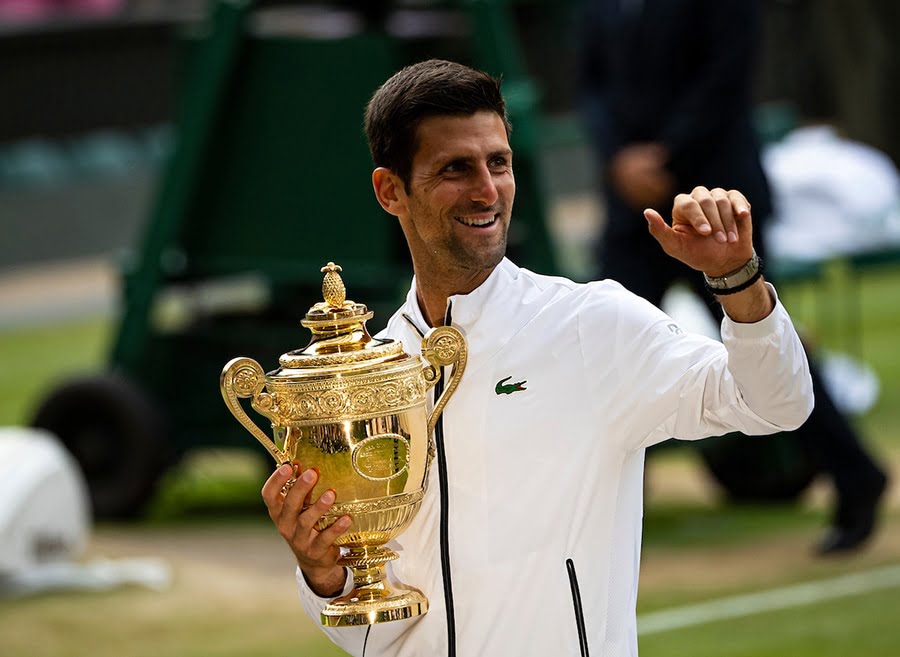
(478, 220)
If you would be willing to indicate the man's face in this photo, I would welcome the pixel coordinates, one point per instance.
(461, 194)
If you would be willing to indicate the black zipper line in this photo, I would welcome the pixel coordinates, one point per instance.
(366, 641)
(445, 503)
(410, 321)
(579, 612)
(445, 514)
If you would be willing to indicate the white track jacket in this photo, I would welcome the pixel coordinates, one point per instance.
(528, 539)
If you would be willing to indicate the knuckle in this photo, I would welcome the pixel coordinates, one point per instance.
(269, 494)
(322, 540)
(684, 204)
(707, 203)
(699, 190)
(306, 520)
(318, 550)
(285, 533)
(306, 548)
(737, 196)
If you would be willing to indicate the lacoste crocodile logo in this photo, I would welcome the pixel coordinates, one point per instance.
(504, 388)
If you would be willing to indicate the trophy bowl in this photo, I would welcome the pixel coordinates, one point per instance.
(353, 408)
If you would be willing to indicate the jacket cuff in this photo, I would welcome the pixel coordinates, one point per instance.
(768, 326)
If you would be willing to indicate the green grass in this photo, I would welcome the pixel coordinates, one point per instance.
(863, 624)
(827, 311)
(683, 526)
(32, 360)
(130, 622)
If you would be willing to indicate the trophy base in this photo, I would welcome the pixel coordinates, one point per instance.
(378, 604)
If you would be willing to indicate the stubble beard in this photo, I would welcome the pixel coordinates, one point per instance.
(473, 258)
(468, 257)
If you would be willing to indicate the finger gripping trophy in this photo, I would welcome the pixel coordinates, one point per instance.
(352, 407)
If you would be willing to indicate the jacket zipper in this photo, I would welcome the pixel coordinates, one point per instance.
(579, 612)
(445, 503)
(445, 513)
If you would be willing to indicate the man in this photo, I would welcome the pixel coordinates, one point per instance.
(667, 113)
(528, 540)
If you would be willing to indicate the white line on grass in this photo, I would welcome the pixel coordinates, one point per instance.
(771, 600)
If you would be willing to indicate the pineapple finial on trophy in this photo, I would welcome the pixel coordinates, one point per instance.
(333, 290)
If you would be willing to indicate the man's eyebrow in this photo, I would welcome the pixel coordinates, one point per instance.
(450, 158)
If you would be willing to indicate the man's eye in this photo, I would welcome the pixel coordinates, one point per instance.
(455, 167)
(499, 163)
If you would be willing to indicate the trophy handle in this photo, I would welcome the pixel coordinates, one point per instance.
(244, 377)
(442, 346)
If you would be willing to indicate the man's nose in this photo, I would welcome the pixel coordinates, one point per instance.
(484, 187)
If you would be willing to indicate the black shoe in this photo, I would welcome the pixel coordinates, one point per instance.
(855, 520)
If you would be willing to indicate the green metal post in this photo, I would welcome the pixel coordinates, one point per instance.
(207, 82)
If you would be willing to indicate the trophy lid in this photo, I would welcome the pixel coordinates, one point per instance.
(340, 340)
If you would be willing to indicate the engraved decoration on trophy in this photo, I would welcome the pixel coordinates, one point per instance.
(353, 408)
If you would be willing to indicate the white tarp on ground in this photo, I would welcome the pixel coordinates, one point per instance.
(45, 523)
(44, 506)
(832, 196)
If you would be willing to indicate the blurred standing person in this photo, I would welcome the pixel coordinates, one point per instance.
(665, 90)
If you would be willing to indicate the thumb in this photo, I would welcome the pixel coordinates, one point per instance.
(658, 227)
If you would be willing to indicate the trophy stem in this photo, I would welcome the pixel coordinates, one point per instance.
(374, 598)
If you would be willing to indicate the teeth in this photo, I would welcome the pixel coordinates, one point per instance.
(471, 221)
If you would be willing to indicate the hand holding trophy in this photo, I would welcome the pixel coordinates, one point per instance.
(352, 408)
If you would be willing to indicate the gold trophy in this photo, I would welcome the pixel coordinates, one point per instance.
(353, 408)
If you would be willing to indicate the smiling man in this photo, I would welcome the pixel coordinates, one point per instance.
(455, 205)
(528, 539)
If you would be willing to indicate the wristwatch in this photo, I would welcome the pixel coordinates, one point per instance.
(739, 279)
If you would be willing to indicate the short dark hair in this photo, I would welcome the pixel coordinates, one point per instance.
(431, 88)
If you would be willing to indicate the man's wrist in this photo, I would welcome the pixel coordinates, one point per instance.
(751, 305)
(327, 585)
(735, 281)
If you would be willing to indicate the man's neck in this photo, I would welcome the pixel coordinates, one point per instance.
(433, 309)
(433, 291)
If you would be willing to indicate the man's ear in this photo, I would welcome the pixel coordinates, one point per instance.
(389, 191)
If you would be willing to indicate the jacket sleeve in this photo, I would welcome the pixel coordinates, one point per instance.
(675, 384)
(351, 639)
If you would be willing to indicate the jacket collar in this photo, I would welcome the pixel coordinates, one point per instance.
(488, 317)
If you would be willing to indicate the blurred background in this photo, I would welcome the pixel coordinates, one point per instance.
(173, 174)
